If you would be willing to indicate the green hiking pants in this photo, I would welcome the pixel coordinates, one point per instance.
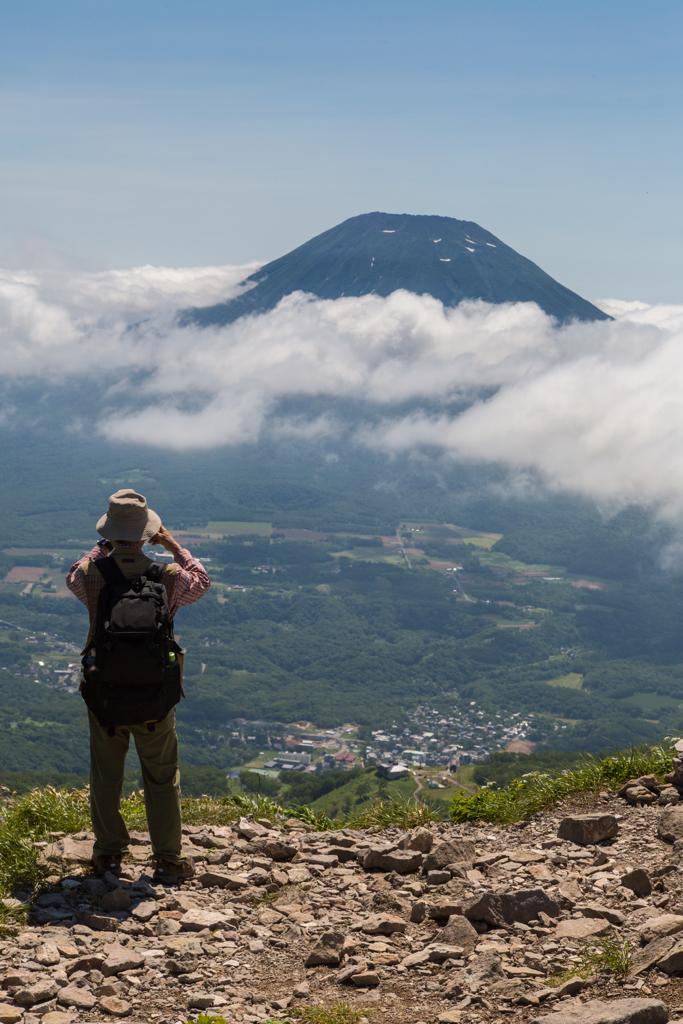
(158, 753)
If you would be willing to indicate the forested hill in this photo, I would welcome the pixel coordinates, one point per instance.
(378, 253)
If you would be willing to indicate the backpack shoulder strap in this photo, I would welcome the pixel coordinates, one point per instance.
(109, 570)
(155, 571)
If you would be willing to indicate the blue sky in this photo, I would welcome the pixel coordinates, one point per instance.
(221, 132)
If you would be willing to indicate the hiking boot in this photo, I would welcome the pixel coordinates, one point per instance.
(173, 874)
(107, 862)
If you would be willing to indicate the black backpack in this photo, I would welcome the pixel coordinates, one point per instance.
(132, 665)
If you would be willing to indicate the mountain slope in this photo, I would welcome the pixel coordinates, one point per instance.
(381, 252)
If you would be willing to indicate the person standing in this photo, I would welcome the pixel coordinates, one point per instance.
(117, 561)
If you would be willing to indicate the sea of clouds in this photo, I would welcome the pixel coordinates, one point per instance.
(592, 407)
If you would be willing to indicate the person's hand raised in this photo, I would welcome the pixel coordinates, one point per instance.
(166, 539)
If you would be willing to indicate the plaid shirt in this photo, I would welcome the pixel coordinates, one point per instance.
(186, 581)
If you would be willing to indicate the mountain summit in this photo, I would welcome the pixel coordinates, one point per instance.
(377, 253)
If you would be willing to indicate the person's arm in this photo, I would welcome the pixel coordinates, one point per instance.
(74, 578)
(192, 579)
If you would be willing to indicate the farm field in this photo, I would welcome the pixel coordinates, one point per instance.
(500, 560)
(450, 533)
(237, 529)
(573, 680)
(654, 703)
(377, 555)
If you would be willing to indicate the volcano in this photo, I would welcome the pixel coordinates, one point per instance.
(378, 253)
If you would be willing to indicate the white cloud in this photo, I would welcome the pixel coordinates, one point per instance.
(593, 408)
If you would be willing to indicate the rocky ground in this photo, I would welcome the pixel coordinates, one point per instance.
(446, 924)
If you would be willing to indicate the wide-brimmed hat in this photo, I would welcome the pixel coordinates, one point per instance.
(128, 518)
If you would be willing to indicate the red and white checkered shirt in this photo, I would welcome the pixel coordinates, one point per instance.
(187, 581)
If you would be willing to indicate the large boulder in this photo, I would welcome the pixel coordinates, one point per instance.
(582, 928)
(388, 858)
(120, 958)
(488, 908)
(420, 839)
(612, 1011)
(458, 932)
(327, 951)
(383, 924)
(498, 909)
(672, 962)
(656, 927)
(670, 824)
(526, 904)
(587, 829)
(445, 853)
(638, 881)
(39, 992)
(197, 920)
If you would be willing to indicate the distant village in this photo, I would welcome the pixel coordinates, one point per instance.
(427, 738)
(435, 740)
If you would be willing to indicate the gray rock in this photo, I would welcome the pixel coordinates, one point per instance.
(120, 958)
(80, 998)
(200, 1000)
(279, 849)
(386, 858)
(250, 829)
(182, 963)
(497, 909)
(488, 908)
(482, 970)
(348, 972)
(223, 880)
(98, 922)
(420, 839)
(383, 924)
(669, 795)
(365, 979)
(582, 927)
(670, 824)
(327, 951)
(673, 960)
(440, 951)
(438, 877)
(651, 954)
(94, 886)
(116, 900)
(144, 912)
(416, 959)
(91, 962)
(446, 908)
(445, 853)
(458, 932)
(69, 850)
(418, 912)
(638, 794)
(48, 955)
(39, 992)
(656, 927)
(607, 913)
(526, 904)
(587, 829)
(197, 920)
(638, 881)
(612, 1011)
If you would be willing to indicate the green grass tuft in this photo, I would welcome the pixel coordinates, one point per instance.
(389, 813)
(535, 791)
(338, 1013)
(611, 955)
(12, 919)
